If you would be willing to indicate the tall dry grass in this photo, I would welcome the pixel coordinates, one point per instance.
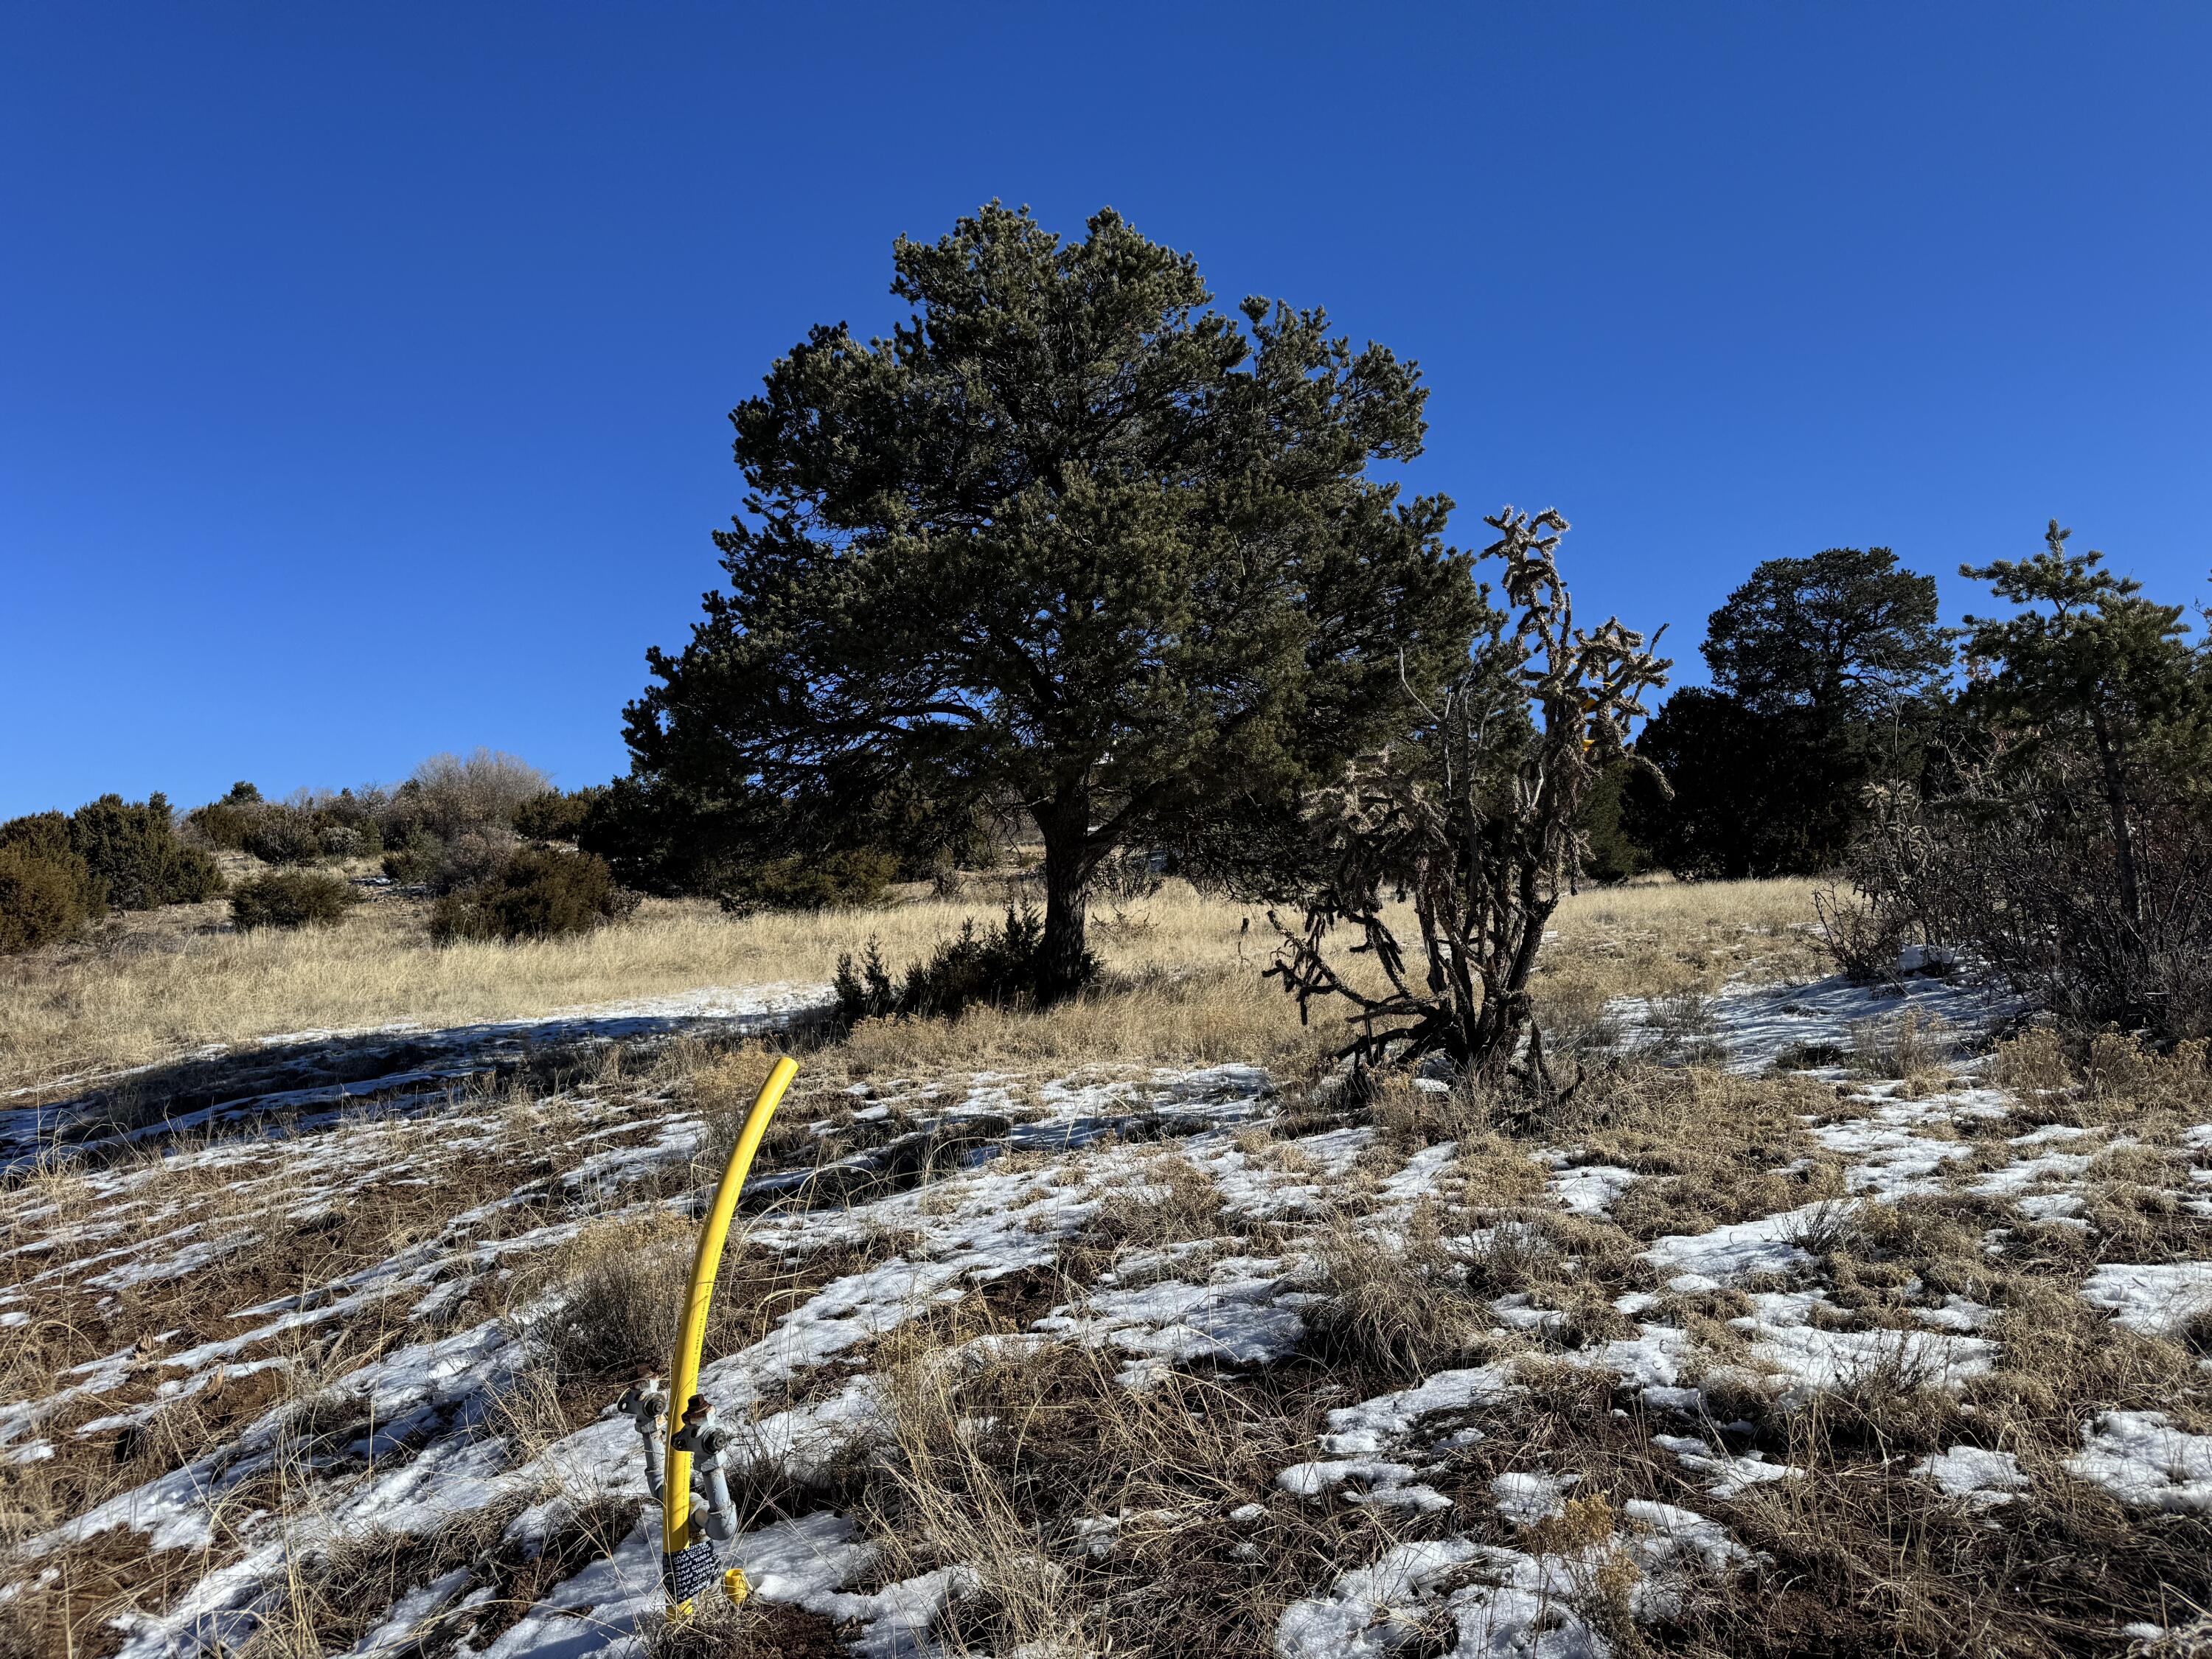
(1187, 969)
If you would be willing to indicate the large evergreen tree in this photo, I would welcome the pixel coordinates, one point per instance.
(1824, 671)
(1070, 537)
(1845, 633)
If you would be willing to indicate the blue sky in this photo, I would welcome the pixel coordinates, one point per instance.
(364, 370)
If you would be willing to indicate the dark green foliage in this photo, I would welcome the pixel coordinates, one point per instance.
(276, 837)
(308, 827)
(800, 883)
(43, 900)
(997, 967)
(1613, 854)
(540, 893)
(666, 839)
(1069, 538)
(670, 841)
(43, 834)
(1756, 793)
(225, 823)
(2102, 673)
(47, 893)
(292, 898)
(556, 815)
(109, 853)
(1844, 633)
(414, 861)
(130, 847)
(1827, 679)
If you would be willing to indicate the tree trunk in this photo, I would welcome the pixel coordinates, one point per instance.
(1063, 965)
(2123, 844)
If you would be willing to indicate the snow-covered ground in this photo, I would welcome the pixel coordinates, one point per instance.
(1039, 1157)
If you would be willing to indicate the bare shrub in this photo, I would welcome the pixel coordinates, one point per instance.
(2027, 892)
(1479, 820)
(1863, 932)
(1825, 1228)
(467, 859)
(447, 794)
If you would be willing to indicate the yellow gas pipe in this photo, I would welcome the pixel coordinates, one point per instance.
(684, 1573)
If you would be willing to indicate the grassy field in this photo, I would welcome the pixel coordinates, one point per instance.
(1185, 967)
(1075, 1332)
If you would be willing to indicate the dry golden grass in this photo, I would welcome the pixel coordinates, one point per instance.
(1190, 966)
(1654, 938)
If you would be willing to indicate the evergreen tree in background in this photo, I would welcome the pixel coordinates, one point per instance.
(2103, 671)
(1844, 636)
(2068, 845)
(1827, 671)
(1069, 537)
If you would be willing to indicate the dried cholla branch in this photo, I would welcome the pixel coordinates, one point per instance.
(1477, 821)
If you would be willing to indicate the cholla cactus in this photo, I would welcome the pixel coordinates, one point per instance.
(1477, 822)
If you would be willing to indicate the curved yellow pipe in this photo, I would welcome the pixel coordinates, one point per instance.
(678, 1531)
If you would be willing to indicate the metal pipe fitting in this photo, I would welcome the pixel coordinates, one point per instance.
(646, 1405)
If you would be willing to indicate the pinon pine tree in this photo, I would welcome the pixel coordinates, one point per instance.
(1071, 537)
(1476, 820)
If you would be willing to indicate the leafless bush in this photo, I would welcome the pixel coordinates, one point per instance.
(1863, 933)
(452, 794)
(1478, 820)
(2022, 873)
(1828, 1226)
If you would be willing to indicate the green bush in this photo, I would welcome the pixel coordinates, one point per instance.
(41, 835)
(554, 815)
(1614, 855)
(833, 881)
(308, 827)
(292, 898)
(540, 893)
(411, 861)
(999, 967)
(42, 899)
(132, 855)
(225, 823)
(276, 835)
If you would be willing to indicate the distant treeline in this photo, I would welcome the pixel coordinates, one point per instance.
(481, 835)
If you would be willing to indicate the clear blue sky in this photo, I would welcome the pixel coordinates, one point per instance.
(364, 369)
